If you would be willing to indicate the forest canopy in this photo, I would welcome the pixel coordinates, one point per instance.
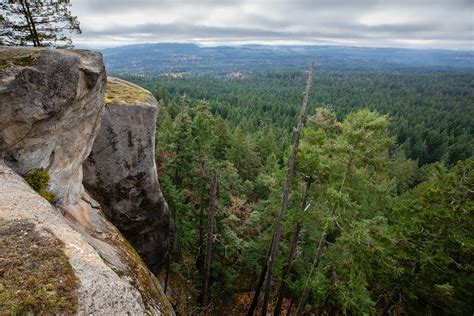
(431, 113)
(384, 178)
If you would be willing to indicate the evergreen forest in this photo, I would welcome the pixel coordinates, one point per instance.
(380, 208)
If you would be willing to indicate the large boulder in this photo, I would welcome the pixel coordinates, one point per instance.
(51, 106)
(120, 171)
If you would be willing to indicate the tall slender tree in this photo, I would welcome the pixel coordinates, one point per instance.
(3, 30)
(292, 253)
(202, 174)
(210, 235)
(362, 143)
(284, 202)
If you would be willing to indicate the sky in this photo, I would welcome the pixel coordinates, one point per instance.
(378, 23)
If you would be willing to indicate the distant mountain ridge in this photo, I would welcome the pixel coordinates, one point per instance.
(164, 58)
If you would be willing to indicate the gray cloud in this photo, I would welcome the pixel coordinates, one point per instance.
(412, 23)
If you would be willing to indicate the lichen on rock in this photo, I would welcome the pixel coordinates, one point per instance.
(18, 57)
(101, 289)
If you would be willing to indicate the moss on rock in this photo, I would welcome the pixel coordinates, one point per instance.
(121, 92)
(18, 57)
(35, 274)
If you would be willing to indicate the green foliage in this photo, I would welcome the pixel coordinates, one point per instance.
(398, 234)
(47, 195)
(434, 225)
(39, 179)
(242, 154)
(37, 23)
(348, 161)
(431, 113)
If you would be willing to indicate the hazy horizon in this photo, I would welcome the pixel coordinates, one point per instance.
(100, 46)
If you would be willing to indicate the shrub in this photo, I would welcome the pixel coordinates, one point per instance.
(39, 179)
(47, 195)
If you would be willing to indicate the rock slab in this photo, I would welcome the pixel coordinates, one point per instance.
(121, 173)
(51, 107)
(102, 291)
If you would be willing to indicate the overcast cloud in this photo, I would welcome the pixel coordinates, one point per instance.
(401, 23)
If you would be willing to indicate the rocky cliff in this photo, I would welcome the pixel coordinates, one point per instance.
(51, 108)
(51, 111)
(120, 171)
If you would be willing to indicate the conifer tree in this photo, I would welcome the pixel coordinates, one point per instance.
(211, 223)
(360, 148)
(37, 23)
(273, 250)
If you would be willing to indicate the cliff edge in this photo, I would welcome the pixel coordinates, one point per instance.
(120, 171)
(51, 111)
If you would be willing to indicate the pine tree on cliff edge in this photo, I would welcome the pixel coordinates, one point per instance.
(37, 23)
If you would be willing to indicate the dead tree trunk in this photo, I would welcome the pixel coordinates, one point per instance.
(314, 266)
(199, 255)
(261, 279)
(288, 312)
(284, 200)
(322, 246)
(291, 255)
(210, 235)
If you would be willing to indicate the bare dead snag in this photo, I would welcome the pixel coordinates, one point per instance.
(322, 244)
(284, 200)
(210, 236)
(199, 256)
(258, 288)
(291, 255)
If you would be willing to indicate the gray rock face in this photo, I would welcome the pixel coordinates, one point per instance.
(113, 280)
(121, 174)
(51, 106)
(51, 109)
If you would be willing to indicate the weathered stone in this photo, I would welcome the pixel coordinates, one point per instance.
(121, 174)
(117, 283)
(51, 109)
(51, 106)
